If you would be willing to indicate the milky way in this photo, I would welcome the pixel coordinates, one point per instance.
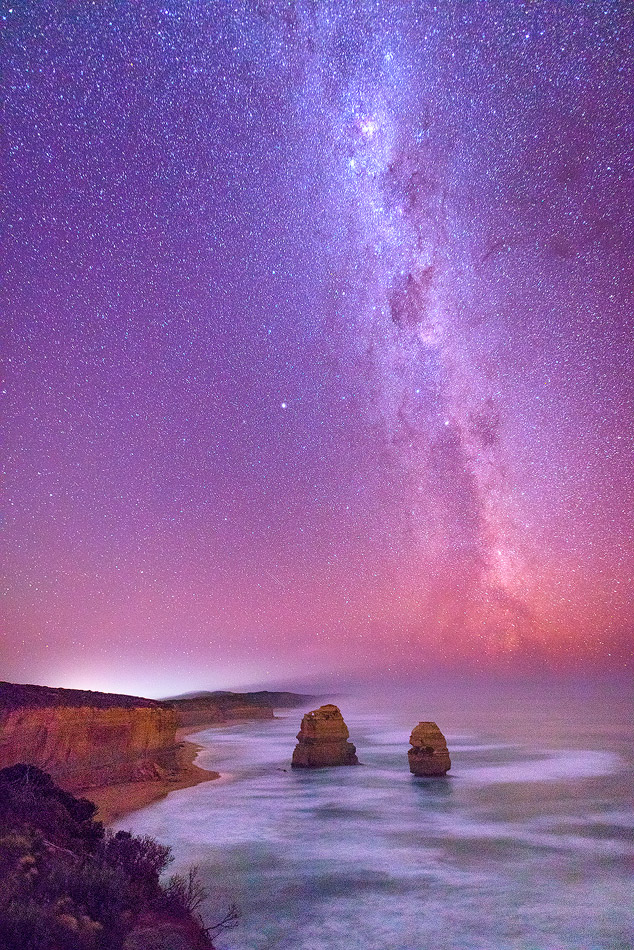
(319, 339)
(440, 414)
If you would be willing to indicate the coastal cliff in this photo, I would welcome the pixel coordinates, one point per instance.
(211, 711)
(125, 751)
(86, 739)
(216, 708)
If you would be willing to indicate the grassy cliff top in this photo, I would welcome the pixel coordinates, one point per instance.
(262, 697)
(19, 696)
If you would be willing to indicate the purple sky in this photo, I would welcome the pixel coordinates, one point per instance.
(319, 340)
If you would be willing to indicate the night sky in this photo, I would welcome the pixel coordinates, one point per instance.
(320, 340)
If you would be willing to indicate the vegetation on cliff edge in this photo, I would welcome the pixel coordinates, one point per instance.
(66, 884)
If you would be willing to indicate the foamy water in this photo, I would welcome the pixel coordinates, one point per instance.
(528, 844)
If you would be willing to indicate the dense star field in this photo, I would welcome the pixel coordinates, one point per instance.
(319, 339)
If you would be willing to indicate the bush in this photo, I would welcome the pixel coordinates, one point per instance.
(30, 796)
(141, 859)
(65, 885)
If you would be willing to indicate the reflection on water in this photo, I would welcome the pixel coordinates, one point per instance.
(526, 845)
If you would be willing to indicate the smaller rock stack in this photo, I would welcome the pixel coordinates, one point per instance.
(323, 740)
(429, 755)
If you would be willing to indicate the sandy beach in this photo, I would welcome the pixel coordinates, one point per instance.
(114, 801)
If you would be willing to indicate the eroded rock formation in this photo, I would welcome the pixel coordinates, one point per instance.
(429, 754)
(85, 739)
(323, 740)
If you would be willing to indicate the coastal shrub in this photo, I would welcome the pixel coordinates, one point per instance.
(30, 796)
(25, 924)
(184, 895)
(67, 885)
(142, 859)
(91, 889)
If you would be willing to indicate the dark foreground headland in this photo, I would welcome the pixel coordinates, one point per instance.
(123, 751)
(66, 884)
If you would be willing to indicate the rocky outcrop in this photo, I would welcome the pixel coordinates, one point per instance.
(85, 739)
(323, 740)
(429, 754)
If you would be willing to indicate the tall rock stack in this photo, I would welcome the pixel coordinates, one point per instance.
(323, 740)
(429, 754)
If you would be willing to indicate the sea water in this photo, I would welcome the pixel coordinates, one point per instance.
(527, 844)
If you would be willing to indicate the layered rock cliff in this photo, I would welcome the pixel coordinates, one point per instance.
(208, 709)
(429, 754)
(213, 711)
(85, 739)
(323, 740)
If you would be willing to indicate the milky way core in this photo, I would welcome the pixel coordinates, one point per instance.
(319, 339)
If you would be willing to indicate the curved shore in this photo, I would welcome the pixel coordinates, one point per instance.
(115, 801)
(122, 752)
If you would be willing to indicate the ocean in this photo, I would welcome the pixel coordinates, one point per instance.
(527, 844)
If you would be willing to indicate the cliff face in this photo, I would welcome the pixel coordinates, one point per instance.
(85, 740)
(217, 709)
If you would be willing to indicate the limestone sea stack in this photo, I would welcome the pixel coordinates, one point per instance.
(323, 740)
(429, 754)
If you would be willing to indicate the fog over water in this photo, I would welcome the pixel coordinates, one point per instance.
(528, 844)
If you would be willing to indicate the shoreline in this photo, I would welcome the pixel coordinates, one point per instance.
(118, 800)
(115, 801)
